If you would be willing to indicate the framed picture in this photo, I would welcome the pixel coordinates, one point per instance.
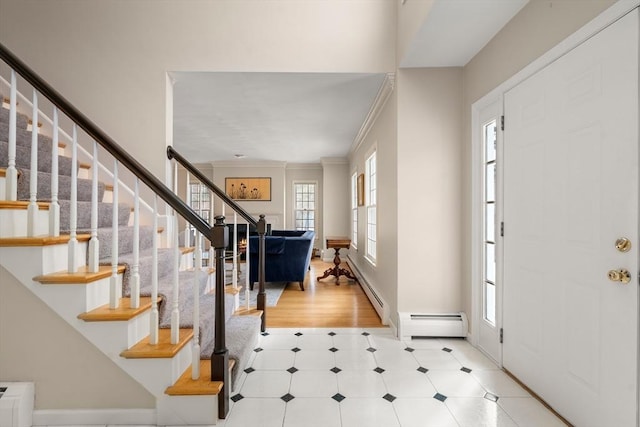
(361, 189)
(249, 189)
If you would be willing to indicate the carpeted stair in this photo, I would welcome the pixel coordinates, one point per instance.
(242, 331)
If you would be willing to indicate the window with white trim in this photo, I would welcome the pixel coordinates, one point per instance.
(372, 216)
(354, 210)
(200, 201)
(304, 205)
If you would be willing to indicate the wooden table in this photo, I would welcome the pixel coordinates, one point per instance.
(337, 243)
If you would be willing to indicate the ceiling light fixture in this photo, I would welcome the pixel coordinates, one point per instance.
(239, 156)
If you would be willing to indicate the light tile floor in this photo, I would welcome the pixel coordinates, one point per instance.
(352, 377)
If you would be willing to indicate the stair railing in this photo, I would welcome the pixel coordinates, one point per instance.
(216, 234)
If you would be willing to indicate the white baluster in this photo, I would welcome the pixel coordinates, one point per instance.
(73, 204)
(135, 273)
(247, 291)
(211, 250)
(114, 293)
(195, 368)
(32, 209)
(11, 176)
(234, 272)
(94, 244)
(153, 333)
(187, 233)
(54, 206)
(175, 312)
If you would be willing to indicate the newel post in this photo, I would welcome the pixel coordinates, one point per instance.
(220, 356)
(262, 296)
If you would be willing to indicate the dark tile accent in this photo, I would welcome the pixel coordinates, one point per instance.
(371, 349)
(465, 369)
(264, 334)
(338, 397)
(295, 349)
(298, 334)
(409, 349)
(249, 370)
(335, 370)
(287, 397)
(333, 349)
(448, 350)
(389, 397)
(257, 350)
(366, 334)
(237, 397)
(440, 397)
(292, 370)
(491, 397)
(332, 334)
(422, 370)
(379, 370)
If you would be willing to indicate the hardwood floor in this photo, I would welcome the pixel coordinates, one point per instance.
(323, 304)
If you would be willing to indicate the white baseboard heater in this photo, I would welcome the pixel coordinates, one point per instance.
(414, 325)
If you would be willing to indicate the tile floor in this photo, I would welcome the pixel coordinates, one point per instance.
(353, 377)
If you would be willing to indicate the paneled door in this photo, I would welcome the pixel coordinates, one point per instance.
(570, 198)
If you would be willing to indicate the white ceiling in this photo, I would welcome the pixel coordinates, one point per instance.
(303, 117)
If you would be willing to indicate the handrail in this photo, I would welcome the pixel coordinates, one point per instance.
(173, 154)
(106, 142)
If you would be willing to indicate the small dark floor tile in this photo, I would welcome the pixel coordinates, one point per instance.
(237, 397)
(335, 370)
(287, 397)
(292, 370)
(298, 334)
(491, 397)
(409, 349)
(338, 397)
(295, 349)
(264, 334)
(448, 350)
(333, 349)
(366, 334)
(422, 370)
(465, 369)
(389, 397)
(440, 397)
(249, 370)
(257, 350)
(371, 349)
(332, 333)
(379, 370)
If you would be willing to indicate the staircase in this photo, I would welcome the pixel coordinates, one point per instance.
(109, 270)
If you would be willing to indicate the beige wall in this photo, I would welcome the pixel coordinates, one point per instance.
(68, 371)
(429, 189)
(305, 173)
(538, 27)
(336, 200)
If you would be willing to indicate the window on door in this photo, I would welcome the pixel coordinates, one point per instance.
(354, 210)
(372, 220)
(489, 136)
(304, 196)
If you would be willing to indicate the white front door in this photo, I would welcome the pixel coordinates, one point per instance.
(570, 191)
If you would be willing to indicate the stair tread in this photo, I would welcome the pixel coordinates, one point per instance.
(163, 350)
(124, 311)
(231, 290)
(22, 204)
(252, 311)
(185, 386)
(43, 240)
(83, 275)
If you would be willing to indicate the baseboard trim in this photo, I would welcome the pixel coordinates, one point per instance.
(66, 417)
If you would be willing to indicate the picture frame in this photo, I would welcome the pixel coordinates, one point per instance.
(249, 189)
(361, 189)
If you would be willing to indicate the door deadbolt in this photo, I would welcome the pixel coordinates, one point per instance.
(623, 244)
(621, 275)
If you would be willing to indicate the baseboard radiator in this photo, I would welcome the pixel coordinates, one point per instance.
(377, 301)
(414, 325)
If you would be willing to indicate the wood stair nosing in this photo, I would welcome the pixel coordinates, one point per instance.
(124, 312)
(163, 350)
(82, 276)
(22, 204)
(252, 311)
(203, 386)
(43, 240)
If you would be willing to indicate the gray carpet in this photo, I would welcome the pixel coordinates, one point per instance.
(272, 289)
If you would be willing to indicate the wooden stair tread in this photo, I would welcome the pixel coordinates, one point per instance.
(231, 290)
(43, 240)
(163, 350)
(82, 276)
(108, 187)
(124, 311)
(250, 312)
(83, 165)
(22, 204)
(187, 249)
(185, 386)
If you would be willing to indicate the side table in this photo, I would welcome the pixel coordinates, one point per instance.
(337, 243)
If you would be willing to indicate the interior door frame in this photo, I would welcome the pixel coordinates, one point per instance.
(606, 18)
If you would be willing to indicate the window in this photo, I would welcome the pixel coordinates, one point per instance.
(200, 201)
(304, 210)
(489, 136)
(372, 219)
(354, 210)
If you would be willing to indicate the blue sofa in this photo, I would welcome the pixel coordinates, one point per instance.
(288, 254)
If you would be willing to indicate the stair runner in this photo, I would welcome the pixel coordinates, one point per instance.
(242, 331)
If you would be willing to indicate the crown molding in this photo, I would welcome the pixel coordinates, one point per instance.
(304, 166)
(249, 164)
(334, 161)
(385, 90)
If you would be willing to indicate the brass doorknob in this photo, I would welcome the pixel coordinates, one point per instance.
(621, 275)
(623, 244)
